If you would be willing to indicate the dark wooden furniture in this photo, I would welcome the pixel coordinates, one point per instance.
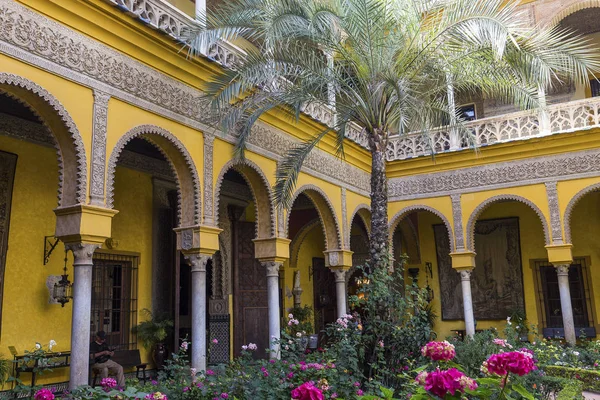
(23, 363)
(127, 359)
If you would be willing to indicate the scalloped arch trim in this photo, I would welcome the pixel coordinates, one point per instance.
(420, 207)
(333, 239)
(503, 197)
(571, 206)
(266, 215)
(72, 183)
(188, 183)
(573, 8)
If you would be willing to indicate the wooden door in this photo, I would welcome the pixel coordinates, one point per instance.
(251, 312)
(324, 294)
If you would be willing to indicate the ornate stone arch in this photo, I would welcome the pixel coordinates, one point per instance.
(364, 212)
(568, 8)
(326, 212)
(181, 163)
(572, 203)
(72, 164)
(420, 207)
(261, 193)
(503, 197)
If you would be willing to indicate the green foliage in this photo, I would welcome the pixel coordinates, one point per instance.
(571, 391)
(153, 330)
(389, 67)
(590, 379)
(304, 316)
(391, 323)
(472, 352)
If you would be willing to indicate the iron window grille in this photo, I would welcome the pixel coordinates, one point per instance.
(114, 298)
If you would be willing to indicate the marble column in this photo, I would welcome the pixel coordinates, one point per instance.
(465, 280)
(272, 268)
(562, 270)
(198, 277)
(82, 308)
(340, 290)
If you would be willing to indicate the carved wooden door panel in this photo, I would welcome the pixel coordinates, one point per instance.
(324, 294)
(251, 312)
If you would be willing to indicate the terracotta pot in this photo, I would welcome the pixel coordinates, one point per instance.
(159, 355)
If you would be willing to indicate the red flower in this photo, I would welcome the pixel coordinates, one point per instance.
(307, 391)
(517, 362)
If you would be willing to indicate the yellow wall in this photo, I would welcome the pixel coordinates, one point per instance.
(532, 247)
(132, 227)
(27, 317)
(313, 245)
(585, 227)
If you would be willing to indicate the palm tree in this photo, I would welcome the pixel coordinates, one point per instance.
(387, 65)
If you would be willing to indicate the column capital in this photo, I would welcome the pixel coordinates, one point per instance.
(83, 223)
(463, 260)
(272, 267)
(338, 258)
(197, 261)
(82, 252)
(465, 274)
(272, 249)
(560, 253)
(340, 274)
(562, 269)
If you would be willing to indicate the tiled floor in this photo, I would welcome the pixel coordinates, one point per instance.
(591, 396)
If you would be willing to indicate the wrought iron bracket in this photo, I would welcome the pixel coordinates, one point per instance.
(50, 243)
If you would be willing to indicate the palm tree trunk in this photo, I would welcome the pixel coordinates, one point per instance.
(379, 241)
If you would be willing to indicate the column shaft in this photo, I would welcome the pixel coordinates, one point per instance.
(340, 291)
(465, 280)
(562, 270)
(198, 276)
(273, 299)
(82, 308)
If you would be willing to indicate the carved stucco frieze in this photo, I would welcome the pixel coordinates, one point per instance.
(99, 130)
(457, 218)
(209, 217)
(28, 131)
(498, 175)
(552, 194)
(345, 228)
(92, 64)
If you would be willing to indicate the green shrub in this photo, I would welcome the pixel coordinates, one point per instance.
(571, 391)
(472, 352)
(590, 379)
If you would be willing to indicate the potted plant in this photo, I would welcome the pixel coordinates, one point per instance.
(151, 333)
(299, 324)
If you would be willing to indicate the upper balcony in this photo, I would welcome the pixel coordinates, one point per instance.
(573, 108)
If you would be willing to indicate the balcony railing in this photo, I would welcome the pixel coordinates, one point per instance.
(559, 118)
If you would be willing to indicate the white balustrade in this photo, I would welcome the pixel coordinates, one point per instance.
(563, 117)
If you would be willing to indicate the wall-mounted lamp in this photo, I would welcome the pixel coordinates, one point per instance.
(63, 289)
(50, 243)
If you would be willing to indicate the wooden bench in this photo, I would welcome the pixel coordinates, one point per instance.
(127, 359)
(50, 361)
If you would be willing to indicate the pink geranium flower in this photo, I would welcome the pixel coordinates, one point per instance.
(307, 391)
(445, 382)
(439, 351)
(517, 362)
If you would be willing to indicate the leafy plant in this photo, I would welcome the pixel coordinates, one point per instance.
(153, 330)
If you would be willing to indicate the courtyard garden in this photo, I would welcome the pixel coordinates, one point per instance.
(385, 349)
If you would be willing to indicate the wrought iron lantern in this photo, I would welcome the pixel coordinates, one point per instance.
(63, 289)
